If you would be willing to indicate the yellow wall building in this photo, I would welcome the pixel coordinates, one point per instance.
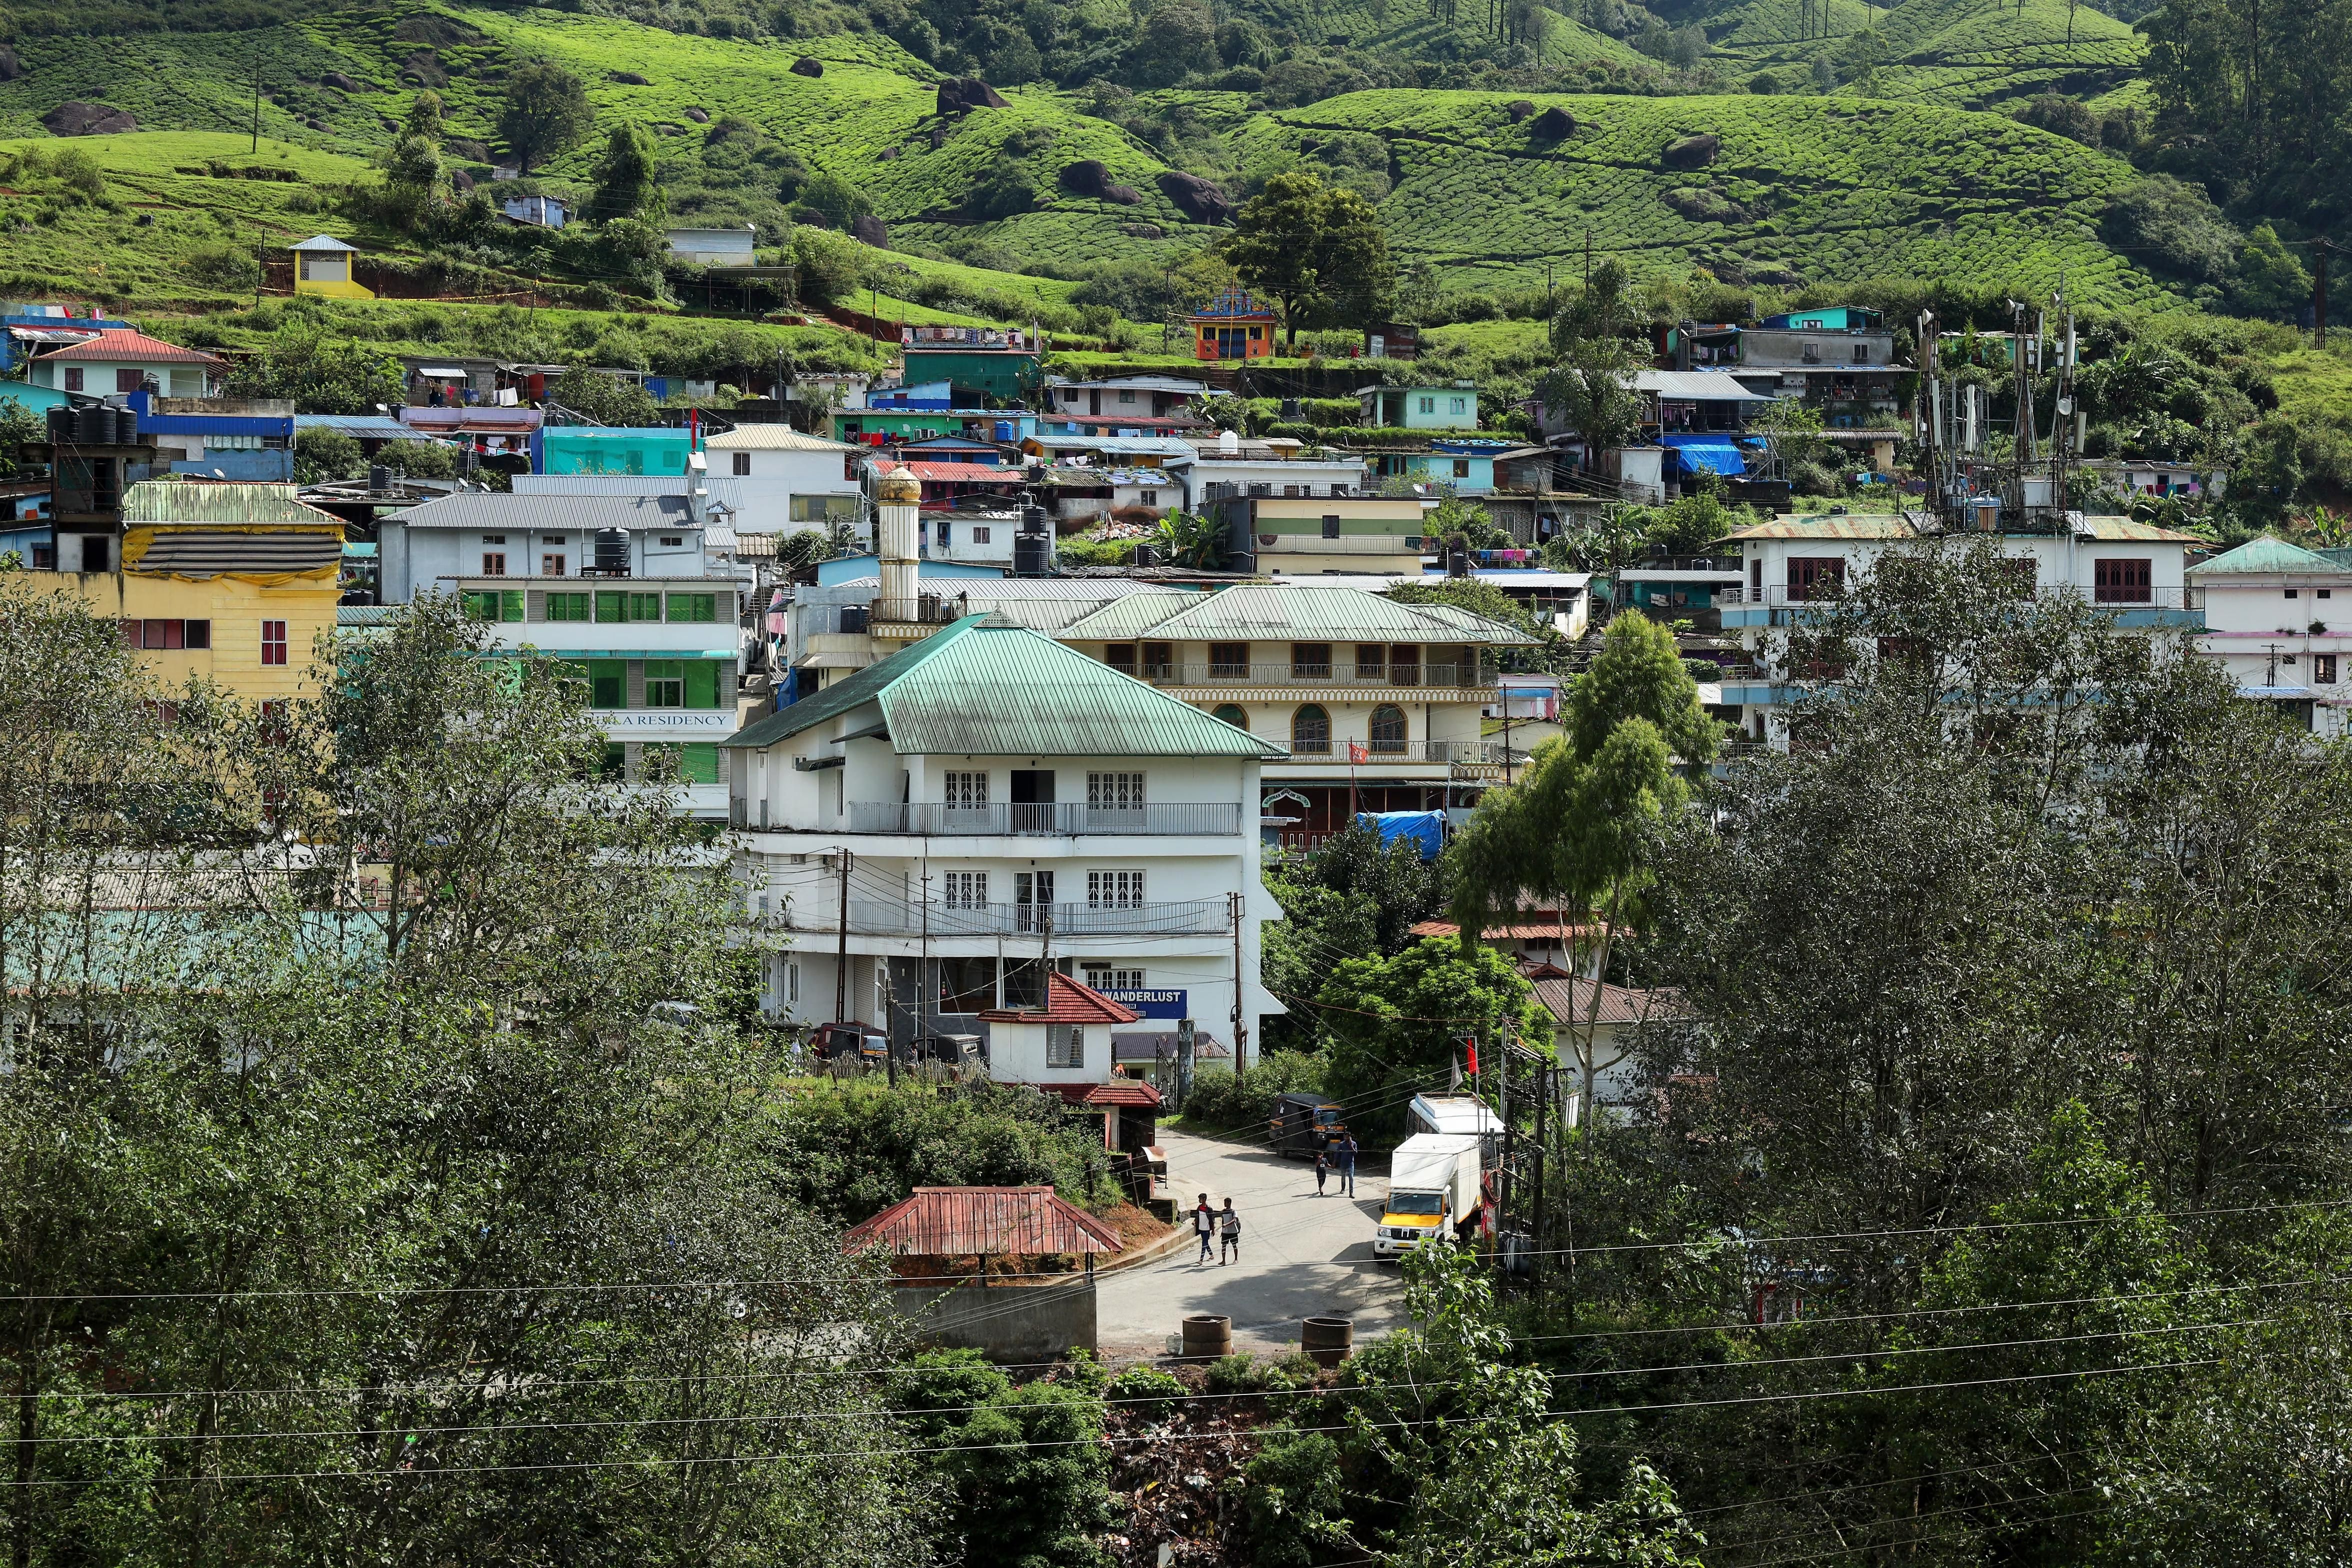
(232, 583)
(323, 264)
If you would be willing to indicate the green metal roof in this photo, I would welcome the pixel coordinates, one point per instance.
(2267, 556)
(983, 690)
(214, 500)
(1291, 613)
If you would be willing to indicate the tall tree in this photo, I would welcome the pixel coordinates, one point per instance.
(1590, 386)
(628, 183)
(1318, 250)
(545, 112)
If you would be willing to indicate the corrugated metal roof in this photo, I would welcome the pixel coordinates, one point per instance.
(2268, 556)
(123, 344)
(772, 438)
(371, 427)
(975, 689)
(1292, 612)
(209, 551)
(964, 473)
(981, 1222)
(1829, 528)
(1695, 386)
(2123, 531)
(188, 499)
(570, 512)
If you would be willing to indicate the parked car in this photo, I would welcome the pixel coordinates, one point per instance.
(849, 1042)
(957, 1050)
(1305, 1124)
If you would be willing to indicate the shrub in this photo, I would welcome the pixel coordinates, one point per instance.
(1246, 1098)
(322, 455)
(2054, 111)
(419, 459)
(2173, 227)
(1150, 1392)
(223, 266)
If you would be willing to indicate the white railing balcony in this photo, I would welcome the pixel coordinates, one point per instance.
(1370, 753)
(1208, 819)
(1340, 674)
(2112, 596)
(902, 917)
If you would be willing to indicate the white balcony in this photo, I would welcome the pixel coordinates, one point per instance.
(902, 917)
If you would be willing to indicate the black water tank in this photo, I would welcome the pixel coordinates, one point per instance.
(1032, 520)
(612, 551)
(1032, 554)
(126, 426)
(61, 424)
(1143, 556)
(1457, 564)
(379, 477)
(85, 425)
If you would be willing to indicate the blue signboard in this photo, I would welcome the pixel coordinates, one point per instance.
(1152, 1004)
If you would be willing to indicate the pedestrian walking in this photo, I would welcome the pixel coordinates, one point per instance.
(1347, 1164)
(1322, 1170)
(1229, 1230)
(1204, 1224)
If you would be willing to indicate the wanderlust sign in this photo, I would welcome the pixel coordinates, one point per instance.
(1152, 1004)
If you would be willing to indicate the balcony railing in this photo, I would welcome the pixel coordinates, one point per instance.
(1378, 752)
(2112, 598)
(1208, 819)
(901, 917)
(1294, 672)
(1345, 545)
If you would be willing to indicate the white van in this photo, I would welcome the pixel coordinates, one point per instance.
(1432, 1187)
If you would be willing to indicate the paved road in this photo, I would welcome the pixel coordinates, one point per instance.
(1301, 1255)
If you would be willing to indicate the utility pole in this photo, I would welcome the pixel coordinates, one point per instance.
(889, 1024)
(841, 948)
(2319, 249)
(1241, 1035)
(257, 93)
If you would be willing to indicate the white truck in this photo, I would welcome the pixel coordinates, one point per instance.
(1433, 1190)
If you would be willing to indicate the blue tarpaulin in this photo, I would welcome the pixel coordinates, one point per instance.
(1694, 454)
(1424, 829)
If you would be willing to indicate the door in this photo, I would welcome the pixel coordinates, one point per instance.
(1032, 900)
(1033, 800)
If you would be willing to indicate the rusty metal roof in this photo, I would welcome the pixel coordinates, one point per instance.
(983, 1222)
(1570, 1002)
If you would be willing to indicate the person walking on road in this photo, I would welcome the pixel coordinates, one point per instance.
(1322, 1168)
(1347, 1164)
(1204, 1224)
(1229, 1227)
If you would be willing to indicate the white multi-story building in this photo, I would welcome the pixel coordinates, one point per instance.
(1792, 564)
(781, 481)
(620, 584)
(2279, 619)
(933, 835)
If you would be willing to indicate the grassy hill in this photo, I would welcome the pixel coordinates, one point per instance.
(1964, 53)
(1807, 189)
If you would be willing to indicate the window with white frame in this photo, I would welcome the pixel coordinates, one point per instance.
(1114, 791)
(980, 534)
(1103, 977)
(1113, 890)
(967, 890)
(967, 792)
(1065, 1046)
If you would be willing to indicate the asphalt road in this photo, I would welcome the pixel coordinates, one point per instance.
(1301, 1255)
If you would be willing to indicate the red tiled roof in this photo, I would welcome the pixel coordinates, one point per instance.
(960, 1222)
(1568, 1001)
(964, 473)
(1068, 1001)
(123, 344)
(1095, 1096)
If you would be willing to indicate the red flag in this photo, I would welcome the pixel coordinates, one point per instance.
(1357, 754)
(1472, 1043)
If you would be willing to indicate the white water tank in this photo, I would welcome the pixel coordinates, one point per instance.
(1228, 443)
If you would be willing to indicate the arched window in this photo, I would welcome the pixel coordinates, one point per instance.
(1231, 713)
(1388, 729)
(1310, 731)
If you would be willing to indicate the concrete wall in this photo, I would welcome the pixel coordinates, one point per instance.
(1004, 1323)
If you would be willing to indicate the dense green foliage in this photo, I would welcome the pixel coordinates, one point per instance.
(1021, 1466)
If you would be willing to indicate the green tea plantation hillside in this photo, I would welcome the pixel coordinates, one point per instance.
(1961, 53)
(1793, 190)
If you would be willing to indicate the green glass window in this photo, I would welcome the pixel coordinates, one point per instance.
(664, 683)
(697, 761)
(494, 604)
(608, 683)
(567, 606)
(694, 606)
(702, 683)
(618, 606)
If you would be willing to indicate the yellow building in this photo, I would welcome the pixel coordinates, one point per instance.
(233, 583)
(323, 264)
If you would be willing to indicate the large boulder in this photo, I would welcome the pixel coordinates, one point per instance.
(700, 116)
(1701, 205)
(959, 94)
(1088, 177)
(1195, 197)
(466, 147)
(75, 118)
(1554, 125)
(872, 230)
(1518, 108)
(1691, 151)
(339, 81)
(631, 78)
(11, 67)
(808, 65)
(424, 67)
(1143, 231)
(461, 181)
